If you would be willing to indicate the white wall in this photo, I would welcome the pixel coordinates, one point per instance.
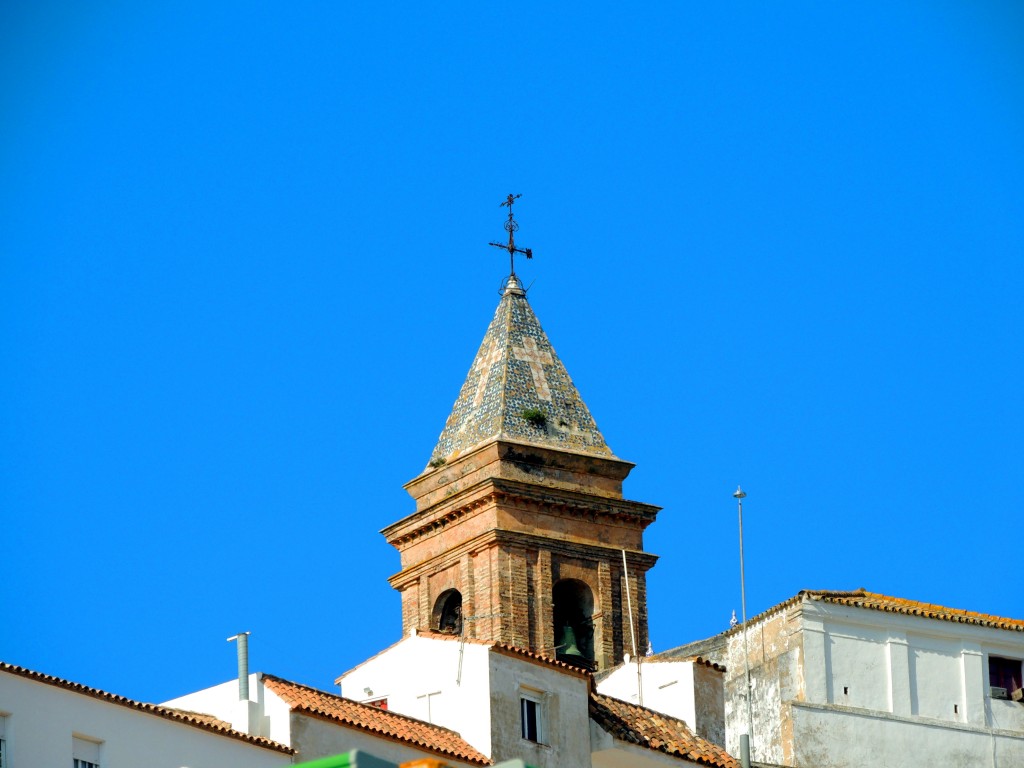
(317, 738)
(43, 718)
(484, 705)
(565, 702)
(835, 736)
(265, 714)
(688, 690)
(420, 678)
(883, 679)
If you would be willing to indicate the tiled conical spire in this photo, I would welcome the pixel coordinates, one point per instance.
(518, 390)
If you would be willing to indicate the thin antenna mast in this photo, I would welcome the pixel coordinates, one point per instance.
(739, 495)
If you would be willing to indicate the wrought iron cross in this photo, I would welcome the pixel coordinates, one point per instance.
(511, 227)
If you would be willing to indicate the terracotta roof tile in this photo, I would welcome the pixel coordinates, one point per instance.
(196, 720)
(653, 730)
(861, 598)
(425, 736)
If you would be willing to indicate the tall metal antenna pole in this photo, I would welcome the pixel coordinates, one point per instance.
(739, 495)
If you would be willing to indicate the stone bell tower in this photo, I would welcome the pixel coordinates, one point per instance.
(521, 534)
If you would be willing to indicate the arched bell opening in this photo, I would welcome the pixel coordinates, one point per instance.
(447, 614)
(573, 622)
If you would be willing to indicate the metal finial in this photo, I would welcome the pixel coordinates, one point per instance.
(511, 226)
(739, 493)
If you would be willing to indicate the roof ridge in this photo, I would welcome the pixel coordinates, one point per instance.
(195, 720)
(921, 608)
(506, 354)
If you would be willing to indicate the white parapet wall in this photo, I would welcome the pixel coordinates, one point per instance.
(440, 681)
(263, 714)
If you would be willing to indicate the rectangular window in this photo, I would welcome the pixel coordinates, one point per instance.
(3, 741)
(1004, 676)
(531, 708)
(84, 753)
(378, 703)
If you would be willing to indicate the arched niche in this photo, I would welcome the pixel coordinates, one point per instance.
(447, 613)
(573, 610)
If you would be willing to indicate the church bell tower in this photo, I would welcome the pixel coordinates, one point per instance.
(521, 534)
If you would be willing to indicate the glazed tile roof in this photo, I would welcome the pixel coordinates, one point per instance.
(653, 730)
(203, 722)
(515, 373)
(391, 725)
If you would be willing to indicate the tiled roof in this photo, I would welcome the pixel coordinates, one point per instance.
(201, 717)
(391, 725)
(204, 722)
(861, 598)
(653, 730)
(516, 373)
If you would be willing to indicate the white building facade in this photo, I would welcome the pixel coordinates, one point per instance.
(862, 679)
(318, 724)
(46, 721)
(511, 703)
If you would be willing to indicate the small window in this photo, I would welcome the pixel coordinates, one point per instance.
(532, 716)
(1004, 676)
(84, 753)
(3, 741)
(378, 703)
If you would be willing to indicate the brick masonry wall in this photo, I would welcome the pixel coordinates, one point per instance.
(505, 547)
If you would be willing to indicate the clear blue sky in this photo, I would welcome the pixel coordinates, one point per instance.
(245, 270)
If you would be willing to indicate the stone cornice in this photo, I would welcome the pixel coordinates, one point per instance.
(552, 501)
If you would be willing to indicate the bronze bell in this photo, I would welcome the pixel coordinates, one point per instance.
(568, 646)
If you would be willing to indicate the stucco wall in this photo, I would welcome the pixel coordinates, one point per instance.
(899, 673)
(316, 738)
(420, 677)
(840, 737)
(565, 713)
(775, 653)
(692, 692)
(264, 715)
(41, 720)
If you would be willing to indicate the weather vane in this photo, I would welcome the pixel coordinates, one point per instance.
(511, 227)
